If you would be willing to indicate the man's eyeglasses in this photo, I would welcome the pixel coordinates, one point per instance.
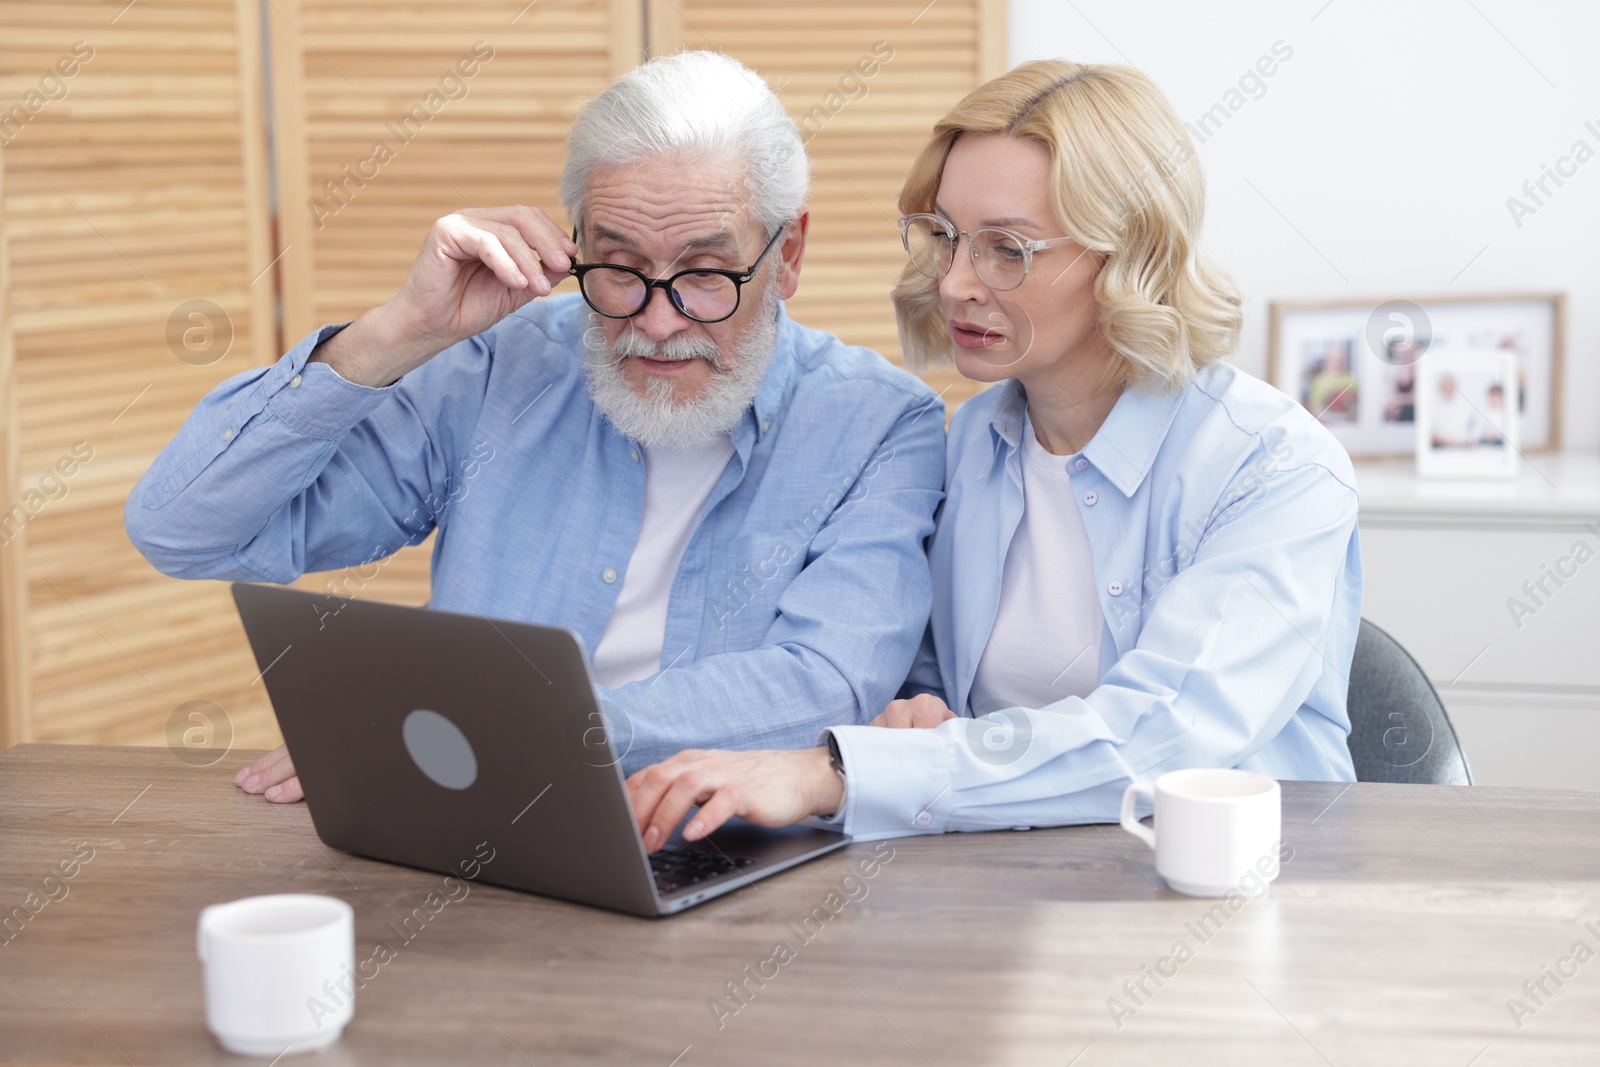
(703, 294)
(1001, 258)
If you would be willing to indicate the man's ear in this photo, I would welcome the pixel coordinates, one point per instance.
(791, 251)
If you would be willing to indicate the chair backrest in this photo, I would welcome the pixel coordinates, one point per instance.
(1399, 729)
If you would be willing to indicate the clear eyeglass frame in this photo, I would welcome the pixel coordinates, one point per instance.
(1028, 246)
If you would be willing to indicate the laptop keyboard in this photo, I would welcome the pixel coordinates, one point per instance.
(677, 868)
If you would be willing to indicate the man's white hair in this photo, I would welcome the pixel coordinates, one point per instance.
(695, 106)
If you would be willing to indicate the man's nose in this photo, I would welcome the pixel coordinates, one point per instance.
(660, 318)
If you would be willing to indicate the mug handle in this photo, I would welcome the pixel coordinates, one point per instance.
(1131, 824)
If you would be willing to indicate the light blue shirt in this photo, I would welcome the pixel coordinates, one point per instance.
(799, 601)
(1222, 523)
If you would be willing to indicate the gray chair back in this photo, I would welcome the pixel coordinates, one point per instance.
(1399, 730)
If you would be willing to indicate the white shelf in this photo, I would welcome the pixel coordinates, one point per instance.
(1551, 488)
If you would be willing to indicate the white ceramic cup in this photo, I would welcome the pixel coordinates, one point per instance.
(1215, 828)
(278, 972)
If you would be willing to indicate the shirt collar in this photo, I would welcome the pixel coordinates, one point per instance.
(769, 401)
(1126, 445)
(1009, 412)
(761, 417)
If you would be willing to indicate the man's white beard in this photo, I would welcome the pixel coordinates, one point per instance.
(653, 418)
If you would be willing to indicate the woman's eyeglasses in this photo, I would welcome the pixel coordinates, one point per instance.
(1000, 257)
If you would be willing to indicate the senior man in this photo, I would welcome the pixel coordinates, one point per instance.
(728, 507)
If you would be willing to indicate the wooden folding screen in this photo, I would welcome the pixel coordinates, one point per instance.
(135, 206)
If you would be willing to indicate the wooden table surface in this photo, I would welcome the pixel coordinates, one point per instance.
(1401, 931)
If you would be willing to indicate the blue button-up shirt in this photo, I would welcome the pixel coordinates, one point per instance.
(800, 599)
(1222, 522)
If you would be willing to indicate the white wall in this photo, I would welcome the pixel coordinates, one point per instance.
(1391, 140)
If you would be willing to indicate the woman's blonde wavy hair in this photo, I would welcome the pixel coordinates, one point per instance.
(1127, 185)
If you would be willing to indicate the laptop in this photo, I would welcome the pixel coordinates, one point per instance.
(475, 747)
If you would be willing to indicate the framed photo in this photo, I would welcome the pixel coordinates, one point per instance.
(1466, 415)
(1354, 364)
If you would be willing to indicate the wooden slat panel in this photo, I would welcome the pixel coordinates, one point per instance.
(346, 72)
(140, 189)
(342, 88)
(862, 131)
(16, 723)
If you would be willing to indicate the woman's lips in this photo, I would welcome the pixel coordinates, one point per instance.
(971, 335)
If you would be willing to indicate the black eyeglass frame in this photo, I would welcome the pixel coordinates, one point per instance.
(739, 279)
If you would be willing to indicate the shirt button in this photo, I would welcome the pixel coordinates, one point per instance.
(294, 383)
(1090, 497)
(922, 819)
(1080, 464)
(1115, 588)
(634, 452)
(609, 575)
(766, 424)
(227, 435)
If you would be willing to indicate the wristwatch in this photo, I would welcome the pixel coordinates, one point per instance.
(837, 761)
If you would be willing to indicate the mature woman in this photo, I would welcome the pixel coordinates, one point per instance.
(1146, 558)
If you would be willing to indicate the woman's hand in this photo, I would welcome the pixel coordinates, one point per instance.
(272, 776)
(921, 712)
(769, 788)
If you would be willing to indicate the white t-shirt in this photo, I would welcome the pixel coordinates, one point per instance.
(1045, 645)
(677, 483)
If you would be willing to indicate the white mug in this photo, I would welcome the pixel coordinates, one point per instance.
(1215, 828)
(278, 972)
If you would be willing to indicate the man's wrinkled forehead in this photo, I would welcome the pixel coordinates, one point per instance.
(701, 203)
(721, 240)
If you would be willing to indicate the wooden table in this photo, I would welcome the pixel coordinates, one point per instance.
(1403, 924)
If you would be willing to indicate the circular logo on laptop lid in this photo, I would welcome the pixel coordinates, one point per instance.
(439, 749)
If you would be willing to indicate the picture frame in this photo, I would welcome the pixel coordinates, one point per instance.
(1466, 424)
(1354, 363)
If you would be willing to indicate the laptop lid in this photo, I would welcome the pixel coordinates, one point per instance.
(433, 739)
